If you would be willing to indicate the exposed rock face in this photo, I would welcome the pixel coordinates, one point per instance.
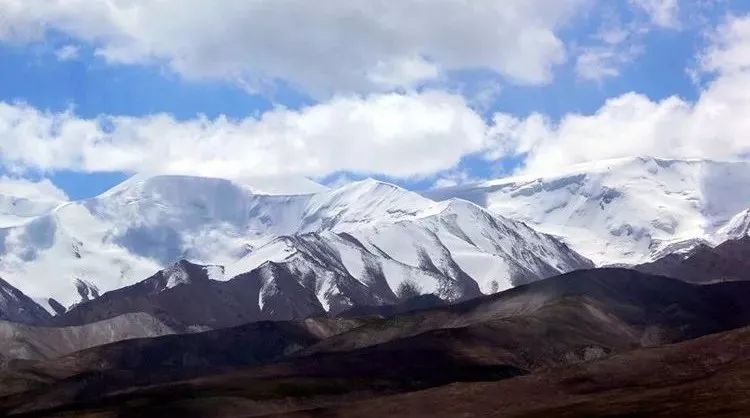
(728, 261)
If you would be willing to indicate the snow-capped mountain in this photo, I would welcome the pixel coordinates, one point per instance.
(455, 250)
(623, 211)
(369, 234)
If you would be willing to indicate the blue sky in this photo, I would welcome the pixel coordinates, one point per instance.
(63, 70)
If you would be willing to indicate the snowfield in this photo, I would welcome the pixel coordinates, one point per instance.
(624, 211)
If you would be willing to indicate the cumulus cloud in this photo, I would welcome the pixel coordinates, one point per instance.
(714, 126)
(32, 190)
(322, 47)
(729, 50)
(399, 135)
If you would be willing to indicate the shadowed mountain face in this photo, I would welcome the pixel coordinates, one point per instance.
(728, 261)
(268, 368)
(636, 308)
(184, 297)
(706, 377)
(17, 307)
(417, 303)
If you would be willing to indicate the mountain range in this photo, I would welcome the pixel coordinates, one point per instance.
(175, 295)
(625, 211)
(355, 245)
(299, 248)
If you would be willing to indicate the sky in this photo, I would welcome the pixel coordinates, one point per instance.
(423, 94)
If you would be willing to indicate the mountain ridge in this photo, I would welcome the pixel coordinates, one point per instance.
(624, 211)
(126, 234)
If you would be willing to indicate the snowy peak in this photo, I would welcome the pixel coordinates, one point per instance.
(456, 251)
(737, 227)
(622, 211)
(361, 203)
(184, 272)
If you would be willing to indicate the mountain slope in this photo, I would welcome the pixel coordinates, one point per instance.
(186, 298)
(737, 227)
(572, 319)
(624, 211)
(456, 254)
(27, 342)
(706, 377)
(17, 307)
(727, 261)
(639, 308)
(361, 230)
(456, 250)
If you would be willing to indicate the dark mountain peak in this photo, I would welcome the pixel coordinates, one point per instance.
(728, 261)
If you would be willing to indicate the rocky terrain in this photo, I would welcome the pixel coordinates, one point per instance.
(566, 334)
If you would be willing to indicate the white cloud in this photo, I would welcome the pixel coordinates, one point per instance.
(663, 13)
(600, 62)
(454, 178)
(324, 47)
(729, 51)
(714, 126)
(33, 190)
(614, 46)
(399, 135)
(67, 53)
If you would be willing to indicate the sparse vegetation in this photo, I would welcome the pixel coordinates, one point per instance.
(408, 289)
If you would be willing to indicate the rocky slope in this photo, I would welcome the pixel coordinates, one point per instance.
(707, 377)
(17, 307)
(727, 261)
(576, 319)
(26, 342)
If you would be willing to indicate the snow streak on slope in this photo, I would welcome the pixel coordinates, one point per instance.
(737, 227)
(621, 211)
(352, 245)
(454, 249)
